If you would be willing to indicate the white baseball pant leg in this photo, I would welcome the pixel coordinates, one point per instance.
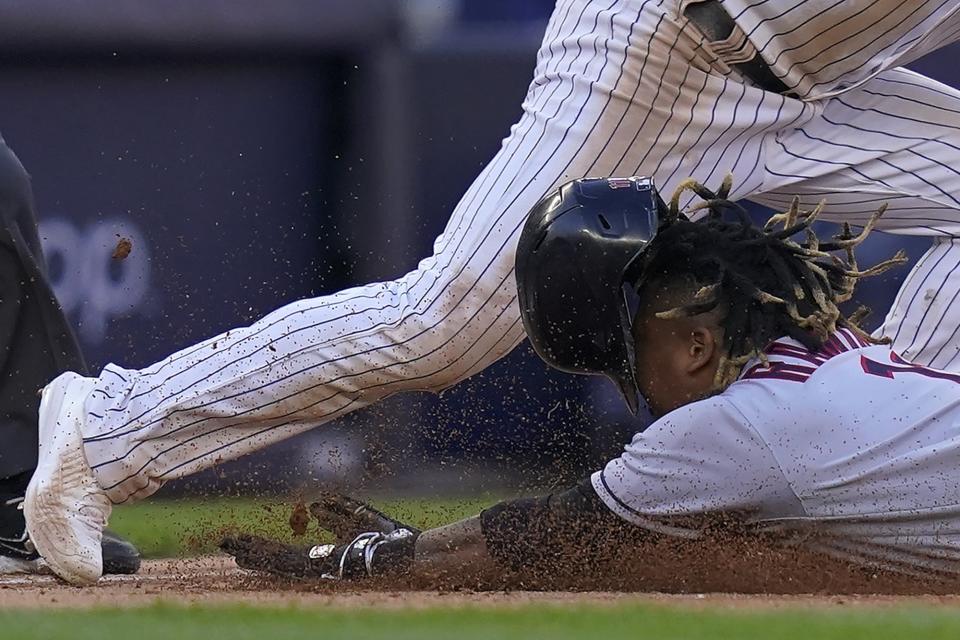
(618, 84)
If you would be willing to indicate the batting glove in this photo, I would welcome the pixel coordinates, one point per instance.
(368, 543)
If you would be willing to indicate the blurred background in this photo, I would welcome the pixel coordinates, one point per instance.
(260, 152)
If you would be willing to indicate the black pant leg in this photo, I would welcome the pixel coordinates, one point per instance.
(36, 340)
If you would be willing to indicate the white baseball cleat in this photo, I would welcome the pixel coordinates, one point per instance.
(65, 509)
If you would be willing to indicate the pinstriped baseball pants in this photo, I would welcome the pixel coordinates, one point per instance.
(621, 87)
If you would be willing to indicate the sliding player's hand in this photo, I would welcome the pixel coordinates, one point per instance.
(368, 543)
(367, 555)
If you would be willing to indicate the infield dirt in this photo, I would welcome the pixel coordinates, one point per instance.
(216, 580)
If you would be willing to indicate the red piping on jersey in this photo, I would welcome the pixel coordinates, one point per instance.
(778, 371)
(841, 341)
(779, 349)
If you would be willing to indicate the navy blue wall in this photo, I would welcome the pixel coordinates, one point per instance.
(218, 173)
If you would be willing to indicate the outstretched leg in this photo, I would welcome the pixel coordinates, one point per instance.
(620, 88)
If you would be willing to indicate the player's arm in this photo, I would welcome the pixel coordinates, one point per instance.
(703, 458)
(568, 532)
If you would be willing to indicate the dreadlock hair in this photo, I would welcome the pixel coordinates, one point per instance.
(762, 283)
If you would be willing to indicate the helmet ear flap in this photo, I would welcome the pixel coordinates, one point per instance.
(578, 247)
(626, 381)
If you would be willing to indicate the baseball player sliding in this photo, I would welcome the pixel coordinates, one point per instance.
(792, 97)
(777, 415)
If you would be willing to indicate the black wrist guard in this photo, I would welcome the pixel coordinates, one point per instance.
(570, 529)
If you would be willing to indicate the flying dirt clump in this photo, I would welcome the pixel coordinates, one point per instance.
(299, 519)
(123, 249)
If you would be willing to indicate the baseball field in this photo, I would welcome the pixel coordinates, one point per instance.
(186, 590)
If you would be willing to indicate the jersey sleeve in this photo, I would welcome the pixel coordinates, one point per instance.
(704, 458)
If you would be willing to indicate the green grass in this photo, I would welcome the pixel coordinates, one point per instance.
(165, 528)
(540, 621)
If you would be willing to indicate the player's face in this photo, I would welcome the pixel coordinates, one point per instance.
(677, 360)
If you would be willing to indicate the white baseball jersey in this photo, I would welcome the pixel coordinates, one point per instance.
(851, 447)
(621, 87)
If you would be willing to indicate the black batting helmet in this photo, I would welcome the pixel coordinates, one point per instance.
(579, 246)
